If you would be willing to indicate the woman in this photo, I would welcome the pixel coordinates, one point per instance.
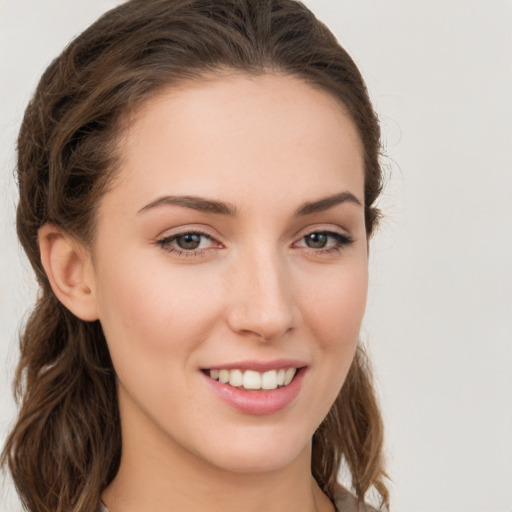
(197, 186)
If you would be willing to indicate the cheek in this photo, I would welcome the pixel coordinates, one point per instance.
(336, 307)
(153, 311)
(335, 311)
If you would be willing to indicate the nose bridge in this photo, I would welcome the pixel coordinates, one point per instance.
(261, 295)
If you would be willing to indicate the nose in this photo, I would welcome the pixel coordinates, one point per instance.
(261, 299)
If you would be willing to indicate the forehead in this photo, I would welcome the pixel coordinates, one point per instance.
(226, 135)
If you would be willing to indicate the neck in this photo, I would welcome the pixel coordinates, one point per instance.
(159, 475)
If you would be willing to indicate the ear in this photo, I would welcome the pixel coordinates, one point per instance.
(67, 264)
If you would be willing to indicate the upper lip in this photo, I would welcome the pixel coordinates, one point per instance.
(259, 366)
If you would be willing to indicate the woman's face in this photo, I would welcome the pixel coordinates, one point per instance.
(232, 247)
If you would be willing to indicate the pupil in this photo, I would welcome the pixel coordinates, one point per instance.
(316, 240)
(189, 241)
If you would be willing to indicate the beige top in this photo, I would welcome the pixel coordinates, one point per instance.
(344, 501)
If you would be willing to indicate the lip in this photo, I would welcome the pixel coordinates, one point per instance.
(258, 402)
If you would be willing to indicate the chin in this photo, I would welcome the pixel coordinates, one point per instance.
(262, 452)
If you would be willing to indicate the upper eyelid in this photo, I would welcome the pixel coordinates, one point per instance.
(299, 234)
(171, 233)
(329, 232)
(322, 228)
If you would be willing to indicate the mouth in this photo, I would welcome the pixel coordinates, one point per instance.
(256, 387)
(253, 380)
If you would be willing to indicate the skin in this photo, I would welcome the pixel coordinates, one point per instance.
(255, 291)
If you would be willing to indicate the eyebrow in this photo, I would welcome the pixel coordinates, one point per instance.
(217, 207)
(326, 203)
(195, 203)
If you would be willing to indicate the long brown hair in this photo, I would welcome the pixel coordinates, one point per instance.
(65, 446)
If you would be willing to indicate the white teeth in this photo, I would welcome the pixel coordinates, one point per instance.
(269, 380)
(236, 378)
(289, 376)
(251, 379)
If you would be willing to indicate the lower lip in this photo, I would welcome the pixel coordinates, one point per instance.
(258, 402)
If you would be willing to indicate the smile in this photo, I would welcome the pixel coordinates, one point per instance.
(257, 388)
(252, 379)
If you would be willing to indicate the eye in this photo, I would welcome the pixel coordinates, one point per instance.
(316, 240)
(325, 241)
(191, 243)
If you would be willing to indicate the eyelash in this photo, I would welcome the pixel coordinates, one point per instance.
(341, 241)
(165, 244)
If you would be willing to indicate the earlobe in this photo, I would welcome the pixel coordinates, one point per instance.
(67, 265)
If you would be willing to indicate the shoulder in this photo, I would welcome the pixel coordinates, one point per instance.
(345, 501)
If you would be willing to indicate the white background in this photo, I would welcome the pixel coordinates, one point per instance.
(439, 314)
